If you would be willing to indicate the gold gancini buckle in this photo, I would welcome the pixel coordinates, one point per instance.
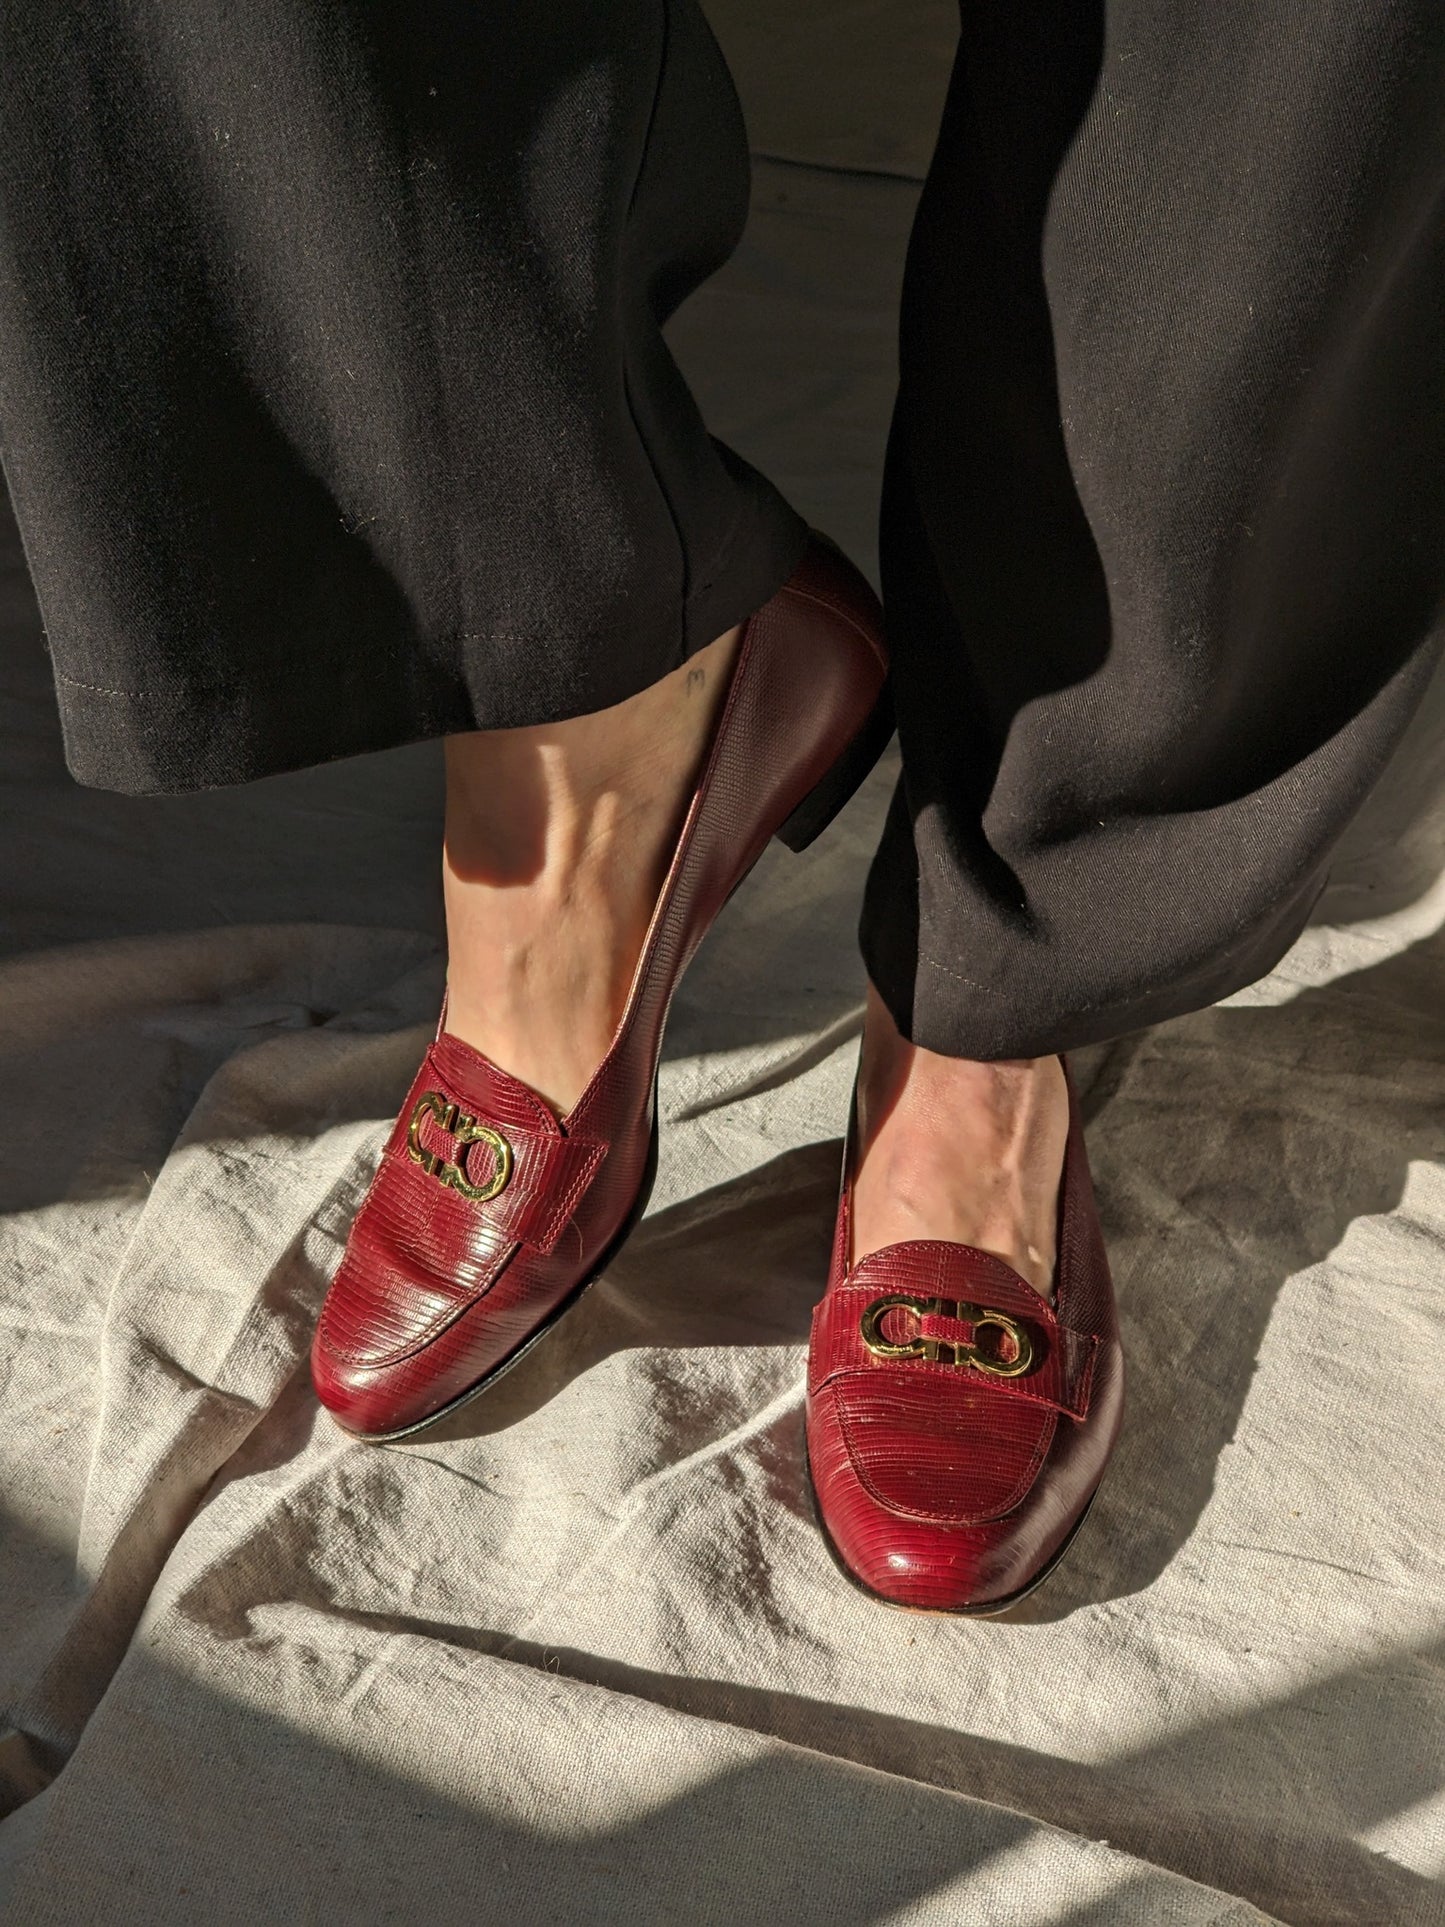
(466, 1130)
(949, 1351)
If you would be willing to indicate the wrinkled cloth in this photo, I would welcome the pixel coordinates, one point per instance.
(581, 1653)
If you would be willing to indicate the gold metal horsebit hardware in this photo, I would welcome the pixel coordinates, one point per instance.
(949, 1351)
(465, 1130)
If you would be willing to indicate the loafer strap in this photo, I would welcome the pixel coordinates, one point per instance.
(527, 1181)
(1017, 1348)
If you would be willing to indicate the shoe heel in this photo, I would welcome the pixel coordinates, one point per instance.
(823, 802)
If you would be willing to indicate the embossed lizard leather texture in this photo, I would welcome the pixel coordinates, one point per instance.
(488, 1215)
(957, 1436)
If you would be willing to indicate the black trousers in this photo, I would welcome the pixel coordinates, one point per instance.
(336, 412)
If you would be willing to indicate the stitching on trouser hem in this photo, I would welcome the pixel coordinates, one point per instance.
(99, 689)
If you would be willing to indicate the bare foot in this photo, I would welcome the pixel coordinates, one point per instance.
(954, 1149)
(557, 841)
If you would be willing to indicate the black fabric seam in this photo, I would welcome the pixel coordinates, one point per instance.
(665, 11)
(839, 168)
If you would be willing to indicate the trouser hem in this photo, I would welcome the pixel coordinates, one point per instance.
(180, 737)
(939, 1007)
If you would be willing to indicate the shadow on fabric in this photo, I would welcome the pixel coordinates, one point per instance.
(1117, 1800)
(196, 1798)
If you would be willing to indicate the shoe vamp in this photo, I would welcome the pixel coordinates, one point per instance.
(390, 1296)
(942, 1446)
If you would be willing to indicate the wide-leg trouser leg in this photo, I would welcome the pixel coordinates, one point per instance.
(336, 413)
(1164, 528)
(334, 402)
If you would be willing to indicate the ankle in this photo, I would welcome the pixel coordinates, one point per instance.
(931, 1093)
(557, 841)
(552, 799)
(964, 1151)
(520, 814)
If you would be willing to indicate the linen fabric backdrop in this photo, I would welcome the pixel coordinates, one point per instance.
(581, 1653)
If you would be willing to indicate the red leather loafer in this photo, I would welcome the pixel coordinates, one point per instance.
(488, 1216)
(958, 1423)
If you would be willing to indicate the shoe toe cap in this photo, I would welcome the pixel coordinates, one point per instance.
(931, 1492)
(372, 1358)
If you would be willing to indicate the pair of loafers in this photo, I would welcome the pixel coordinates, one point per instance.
(957, 1423)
